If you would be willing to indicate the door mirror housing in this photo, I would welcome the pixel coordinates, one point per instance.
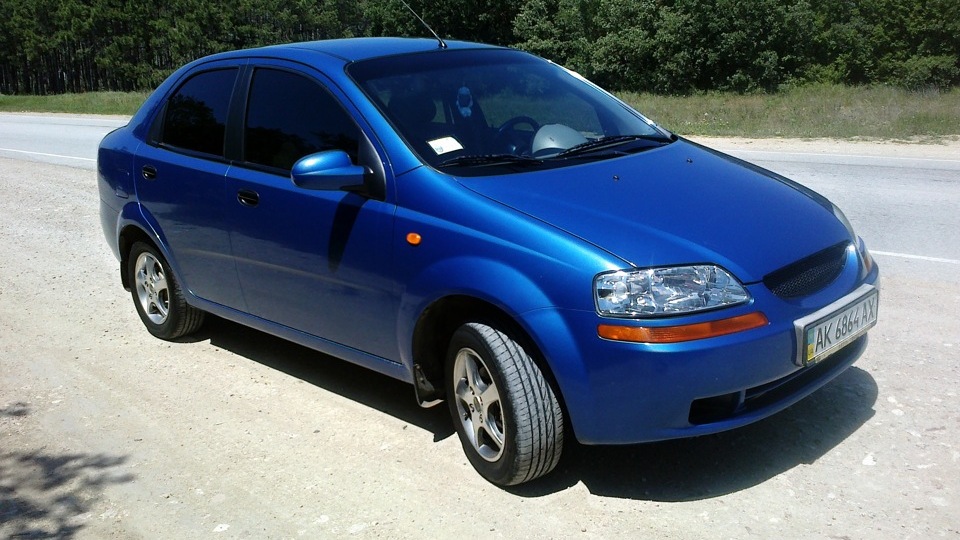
(330, 170)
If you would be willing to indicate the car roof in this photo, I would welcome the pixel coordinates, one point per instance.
(355, 49)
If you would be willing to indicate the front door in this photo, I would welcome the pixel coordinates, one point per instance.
(315, 261)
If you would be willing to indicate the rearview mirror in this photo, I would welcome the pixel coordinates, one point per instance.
(330, 170)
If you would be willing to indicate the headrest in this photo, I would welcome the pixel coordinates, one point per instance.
(412, 110)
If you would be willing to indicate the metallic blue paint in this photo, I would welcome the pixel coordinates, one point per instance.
(333, 270)
(640, 207)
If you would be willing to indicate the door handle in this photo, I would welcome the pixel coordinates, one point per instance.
(149, 172)
(248, 198)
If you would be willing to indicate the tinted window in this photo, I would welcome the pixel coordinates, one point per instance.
(196, 114)
(290, 116)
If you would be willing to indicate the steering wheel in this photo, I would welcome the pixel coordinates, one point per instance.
(510, 140)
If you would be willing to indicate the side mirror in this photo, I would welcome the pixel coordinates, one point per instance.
(330, 170)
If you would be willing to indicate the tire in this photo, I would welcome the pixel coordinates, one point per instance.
(157, 295)
(507, 416)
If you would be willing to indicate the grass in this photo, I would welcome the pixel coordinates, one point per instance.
(834, 111)
(804, 112)
(124, 103)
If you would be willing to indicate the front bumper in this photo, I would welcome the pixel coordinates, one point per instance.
(624, 393)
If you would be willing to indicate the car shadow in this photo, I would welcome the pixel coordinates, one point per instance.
(669, 471)
(356, 383)
(46, 494)
(716, 465)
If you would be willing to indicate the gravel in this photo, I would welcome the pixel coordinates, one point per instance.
(106, 432)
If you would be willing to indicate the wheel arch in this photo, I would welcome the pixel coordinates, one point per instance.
(135, 224)
(128, 236)
(435, 329)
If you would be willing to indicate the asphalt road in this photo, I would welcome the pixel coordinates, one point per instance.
(905, 207)
(59, 139)
(106, 432)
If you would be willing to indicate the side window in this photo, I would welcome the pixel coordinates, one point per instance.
(196, 114)
(290, 116)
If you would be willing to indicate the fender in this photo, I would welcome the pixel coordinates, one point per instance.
(523, 300)
(458, 279)
(133, 214)
(467, 276)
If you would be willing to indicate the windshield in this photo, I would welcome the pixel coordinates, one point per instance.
(491, 111)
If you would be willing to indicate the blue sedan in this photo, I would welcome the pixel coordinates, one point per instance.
(491, 228)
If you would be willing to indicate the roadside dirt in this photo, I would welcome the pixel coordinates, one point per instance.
(106, 432)
(944, 148)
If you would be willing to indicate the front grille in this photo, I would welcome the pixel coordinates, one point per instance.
(808, 275)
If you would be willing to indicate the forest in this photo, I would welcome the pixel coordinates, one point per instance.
(671, 47)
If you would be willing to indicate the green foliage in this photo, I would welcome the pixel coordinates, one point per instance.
(911, 43)
(918, 72)
(662, 46)
(558, 30)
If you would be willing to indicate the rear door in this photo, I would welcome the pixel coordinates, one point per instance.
(180, 176)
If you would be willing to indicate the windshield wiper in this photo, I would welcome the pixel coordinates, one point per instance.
(489, 160)
(611, 141)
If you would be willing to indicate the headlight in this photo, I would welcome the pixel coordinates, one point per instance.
(667, 291)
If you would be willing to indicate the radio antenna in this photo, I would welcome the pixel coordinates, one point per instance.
(443, 44)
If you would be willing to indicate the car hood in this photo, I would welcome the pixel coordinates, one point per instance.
(678, 204)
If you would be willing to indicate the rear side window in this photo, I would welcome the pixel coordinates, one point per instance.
(290, 116)
(196, 115)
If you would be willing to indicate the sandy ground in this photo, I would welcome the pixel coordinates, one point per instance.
(106, 432)
(943, 149)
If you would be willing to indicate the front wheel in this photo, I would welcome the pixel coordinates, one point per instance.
(507, 417)
(157, 295)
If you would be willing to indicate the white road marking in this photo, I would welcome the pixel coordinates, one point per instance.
(45, 155)
(916, 257)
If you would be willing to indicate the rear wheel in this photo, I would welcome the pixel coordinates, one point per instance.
(507, 417)
(157, 295)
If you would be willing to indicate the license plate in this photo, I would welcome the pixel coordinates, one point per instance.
(828, 330)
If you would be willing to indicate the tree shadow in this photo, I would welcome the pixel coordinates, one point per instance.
(15, 410)
(47, 495)
(677, 470)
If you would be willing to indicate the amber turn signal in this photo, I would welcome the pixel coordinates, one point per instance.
(414, 239)
(686, 332)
